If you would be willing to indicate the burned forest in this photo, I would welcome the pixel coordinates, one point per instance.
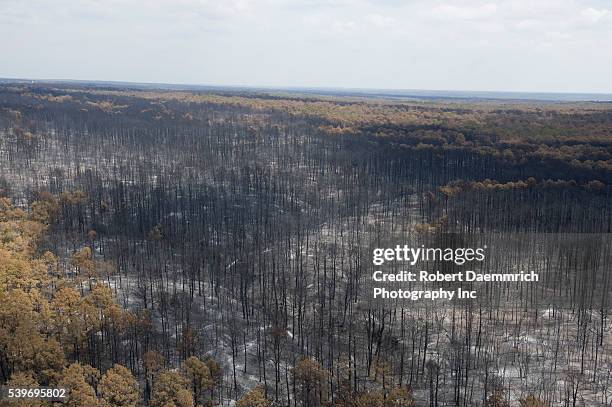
(214, 247)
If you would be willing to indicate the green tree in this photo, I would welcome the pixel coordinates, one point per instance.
(171, 389)
(199, 375)
(118, 388)
(22, 380)
(80, 393)
(310, 377)
(256, 397)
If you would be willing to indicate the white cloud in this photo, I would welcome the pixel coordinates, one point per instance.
(381, 21)
(465, 12)
(557, 35)
(344, 26)
(381, 43)
(593, 15)
(327, 24)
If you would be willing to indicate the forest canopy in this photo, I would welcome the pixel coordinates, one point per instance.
(185, 248)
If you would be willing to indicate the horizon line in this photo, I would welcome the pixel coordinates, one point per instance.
(367, 91)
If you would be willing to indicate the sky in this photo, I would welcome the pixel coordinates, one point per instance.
(503, 45)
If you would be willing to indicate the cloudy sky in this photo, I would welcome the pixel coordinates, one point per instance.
(515, 45)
